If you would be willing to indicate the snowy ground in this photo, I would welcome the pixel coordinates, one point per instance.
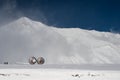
(57, 74)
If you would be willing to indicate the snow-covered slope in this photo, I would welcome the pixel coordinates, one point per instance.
(57, 74)
(24, 38)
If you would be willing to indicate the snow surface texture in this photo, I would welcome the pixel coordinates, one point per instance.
(24, 38)
(57, 74)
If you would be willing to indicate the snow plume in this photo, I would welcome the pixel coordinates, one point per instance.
(7, 8)
(24, 38)
(11, 10)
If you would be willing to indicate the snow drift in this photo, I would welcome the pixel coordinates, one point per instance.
(24, 38)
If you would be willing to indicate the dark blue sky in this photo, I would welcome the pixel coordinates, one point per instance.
(102, 15)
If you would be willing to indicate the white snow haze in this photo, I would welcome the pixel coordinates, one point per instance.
(23, 38)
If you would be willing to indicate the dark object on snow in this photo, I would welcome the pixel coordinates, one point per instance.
(33, 60)
(5, 62)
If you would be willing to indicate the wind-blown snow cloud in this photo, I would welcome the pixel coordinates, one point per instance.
(24, 38)
(11, 10)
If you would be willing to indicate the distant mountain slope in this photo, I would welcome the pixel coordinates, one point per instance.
(24, 38)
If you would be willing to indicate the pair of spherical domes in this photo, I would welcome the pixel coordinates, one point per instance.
(39, 60)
